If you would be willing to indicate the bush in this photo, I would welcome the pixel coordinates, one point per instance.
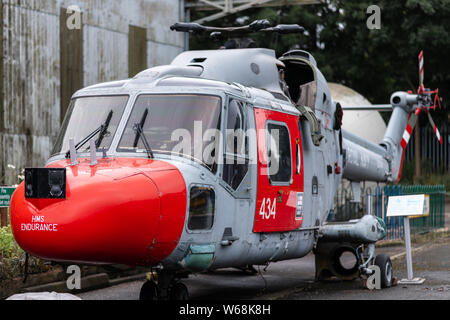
(12, 258)
(8, 246)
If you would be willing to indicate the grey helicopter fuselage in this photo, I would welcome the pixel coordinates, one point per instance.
(240, 214)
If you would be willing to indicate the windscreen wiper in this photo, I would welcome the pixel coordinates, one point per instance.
(103, 130)
(140, 134)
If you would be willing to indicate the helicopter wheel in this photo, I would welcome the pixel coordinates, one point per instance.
(384, 263)
(179, 291)
(149, 291)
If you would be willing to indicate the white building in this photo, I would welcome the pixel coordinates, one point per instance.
(366, 124)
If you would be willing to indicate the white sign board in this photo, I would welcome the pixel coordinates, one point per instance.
(405, 206)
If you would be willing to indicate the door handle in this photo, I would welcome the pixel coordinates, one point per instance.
(280, 196)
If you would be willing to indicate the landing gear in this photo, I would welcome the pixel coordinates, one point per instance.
(336, 260)
(384, 263)
(179, 291)
(149, 291)
(373, 278)
(347, 261)
(163, 285)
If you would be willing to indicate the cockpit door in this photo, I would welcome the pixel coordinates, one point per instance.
(279, 205)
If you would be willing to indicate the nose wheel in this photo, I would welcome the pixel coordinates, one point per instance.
(382, 276)
(163, 286)
(179, 291)
(149, 291)
(384, 263)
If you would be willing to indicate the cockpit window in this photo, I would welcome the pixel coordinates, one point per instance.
(86, 115)
(182, 125)
(236, 160)
(301, 81)
(279, 153)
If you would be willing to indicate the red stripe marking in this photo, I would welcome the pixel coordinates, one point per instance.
(403, 143)
(400, 170)
(438, 134)
(409, 128)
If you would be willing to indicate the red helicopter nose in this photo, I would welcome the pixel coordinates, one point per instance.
(123, 211)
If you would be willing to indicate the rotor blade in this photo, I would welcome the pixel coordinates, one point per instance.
(187, 27)
(408, 131)
(375, 107)
(255, 26)
(285, 29)
(436, 131)
(421, 69)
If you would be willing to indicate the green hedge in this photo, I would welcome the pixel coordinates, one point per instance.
(12, 258)
(8, 246)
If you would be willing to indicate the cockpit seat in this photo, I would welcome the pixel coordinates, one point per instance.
(308, 94)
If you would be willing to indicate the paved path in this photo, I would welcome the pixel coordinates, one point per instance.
(431, 263)
(294, 279)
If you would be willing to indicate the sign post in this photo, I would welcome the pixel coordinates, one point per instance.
(5, 200)
(406, 207)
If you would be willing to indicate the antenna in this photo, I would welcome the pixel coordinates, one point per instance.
(73, 153)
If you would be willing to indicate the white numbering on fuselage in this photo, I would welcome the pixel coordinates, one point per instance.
(268, 208)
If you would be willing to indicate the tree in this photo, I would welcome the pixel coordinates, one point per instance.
(373, 62)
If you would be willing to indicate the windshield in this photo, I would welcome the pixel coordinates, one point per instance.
(87, 114)
(184, 125)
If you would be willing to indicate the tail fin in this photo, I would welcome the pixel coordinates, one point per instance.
(398, 133)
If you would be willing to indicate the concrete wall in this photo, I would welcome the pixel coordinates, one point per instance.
(30, 92)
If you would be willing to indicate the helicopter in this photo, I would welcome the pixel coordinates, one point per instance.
(224, 158)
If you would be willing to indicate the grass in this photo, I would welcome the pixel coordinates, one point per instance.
(8, 246)
(12, 258)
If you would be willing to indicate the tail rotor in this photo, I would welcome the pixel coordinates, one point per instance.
(406, 108)
(427, 100)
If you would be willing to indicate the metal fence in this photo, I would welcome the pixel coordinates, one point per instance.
(431, 150)
(347, 210)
